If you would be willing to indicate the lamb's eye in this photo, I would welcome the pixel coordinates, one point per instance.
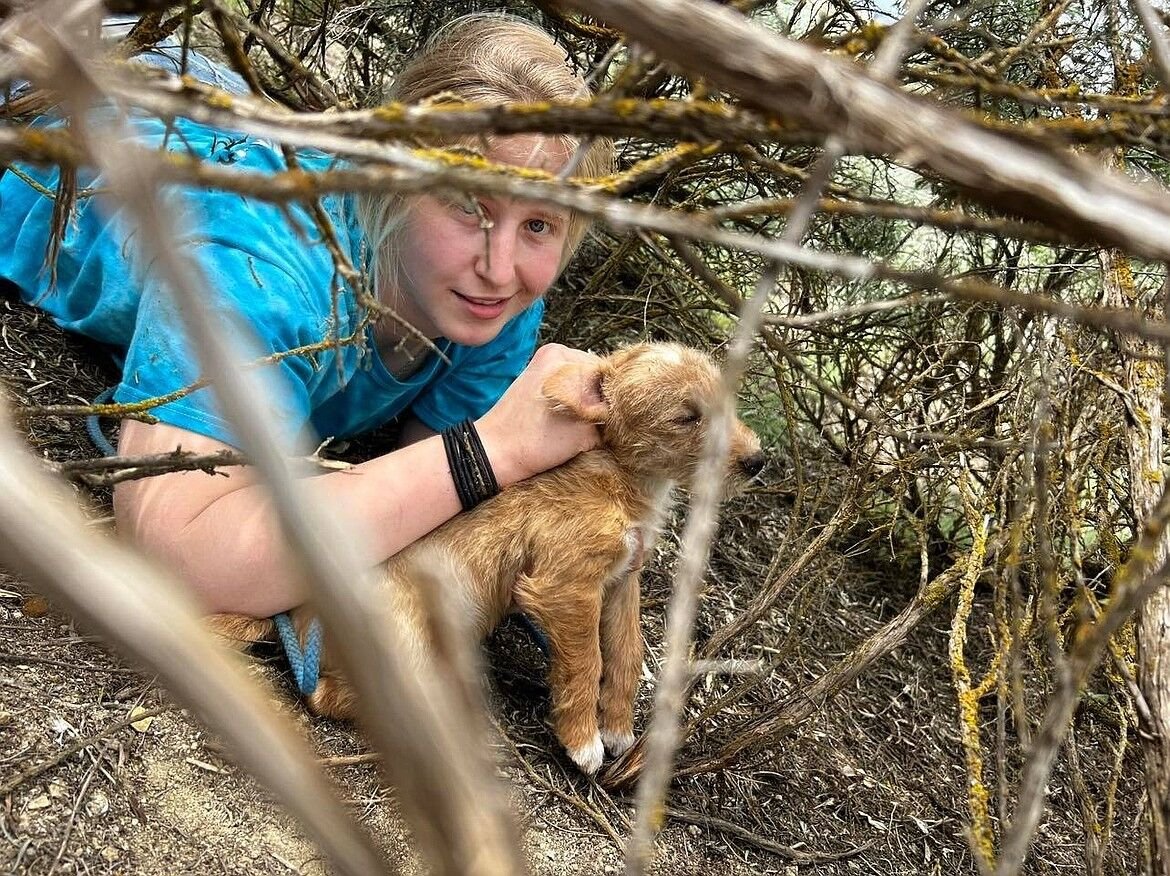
(688, 417)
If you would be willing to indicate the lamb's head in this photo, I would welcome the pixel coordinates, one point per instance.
(655, 404)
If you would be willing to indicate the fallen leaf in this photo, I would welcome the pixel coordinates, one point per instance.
(143, 725)
(61, 728)
(34, 606)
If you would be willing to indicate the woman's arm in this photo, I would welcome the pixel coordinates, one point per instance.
(220, 532)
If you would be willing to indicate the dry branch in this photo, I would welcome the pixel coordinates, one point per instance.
(831, 97)
(107, 471)
(788, 853)
(426, 173)
(1145, 381)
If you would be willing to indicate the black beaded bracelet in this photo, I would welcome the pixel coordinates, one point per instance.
(470, 469)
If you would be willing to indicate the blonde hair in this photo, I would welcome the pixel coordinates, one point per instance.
(489, 59)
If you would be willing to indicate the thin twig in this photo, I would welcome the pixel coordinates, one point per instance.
(744, 835)
(64, 754)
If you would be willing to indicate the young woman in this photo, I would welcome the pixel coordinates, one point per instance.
(477, 297)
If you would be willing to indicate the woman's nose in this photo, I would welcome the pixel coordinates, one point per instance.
(496, 260)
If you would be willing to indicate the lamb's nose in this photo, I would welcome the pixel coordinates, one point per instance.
(754, 464)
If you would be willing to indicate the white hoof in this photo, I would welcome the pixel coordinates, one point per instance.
(617, 743)
(588, 757)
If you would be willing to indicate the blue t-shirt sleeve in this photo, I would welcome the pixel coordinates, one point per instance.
(257, 303)
(267, 278)
(481, 375)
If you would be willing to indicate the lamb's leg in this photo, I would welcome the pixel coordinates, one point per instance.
(621, 661)
(333, 698)
(570, 614)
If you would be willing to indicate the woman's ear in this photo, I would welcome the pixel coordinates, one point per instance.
(576, 388)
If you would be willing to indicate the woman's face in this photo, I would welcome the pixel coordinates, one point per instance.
(460, 283)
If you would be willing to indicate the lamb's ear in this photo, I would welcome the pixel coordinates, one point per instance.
(576, 388)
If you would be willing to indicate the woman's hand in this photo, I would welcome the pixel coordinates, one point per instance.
(525, 433)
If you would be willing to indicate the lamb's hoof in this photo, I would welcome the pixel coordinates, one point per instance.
(617, 743)
(589, 756)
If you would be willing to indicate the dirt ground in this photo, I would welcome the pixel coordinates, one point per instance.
(161, 799)
(874, 783)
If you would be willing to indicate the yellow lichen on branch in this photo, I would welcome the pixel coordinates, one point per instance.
(983, 837)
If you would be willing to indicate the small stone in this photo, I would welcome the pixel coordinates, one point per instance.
(41, 801)
(110, 854)
(99, 804)
(694, 829)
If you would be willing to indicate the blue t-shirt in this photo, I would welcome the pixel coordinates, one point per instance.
(266, 269)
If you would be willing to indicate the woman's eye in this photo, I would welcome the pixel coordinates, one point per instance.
(466, 207)
(539, 226)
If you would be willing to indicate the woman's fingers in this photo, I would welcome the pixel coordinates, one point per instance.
(525, 433)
